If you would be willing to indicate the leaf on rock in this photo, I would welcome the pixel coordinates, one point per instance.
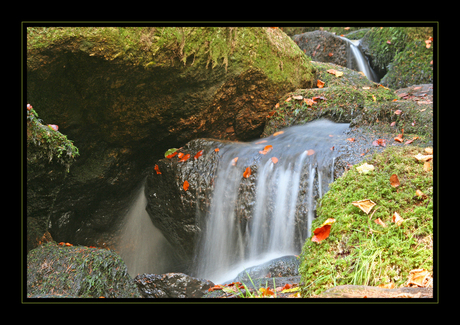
(216, 150)
(397, 219)
(180, 155)
(157, 169)
(171, 153)
(234, 160)
(394, 180)
(365, 205)
(379, 142)
(274, 160)
(310, 152)
(186, 185)
(247, 172)
(351, 139)
(274, 134)
(266, 150)
(263, 141)
(365, 168)
(185, 157)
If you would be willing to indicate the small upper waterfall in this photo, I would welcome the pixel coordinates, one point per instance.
(254, 220)
(357, 60)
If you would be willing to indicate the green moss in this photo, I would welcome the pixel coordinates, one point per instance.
(44, 142)
(359, 251)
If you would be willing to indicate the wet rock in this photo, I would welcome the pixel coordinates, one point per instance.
(77, 271)
(171, 285)
(284, 266)
(319, 45)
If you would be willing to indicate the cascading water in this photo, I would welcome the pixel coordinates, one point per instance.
(254, 220)
(142, 246)
(356, 57)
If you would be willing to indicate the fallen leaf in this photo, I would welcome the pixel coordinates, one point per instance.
(420, 194)
(274, 160)
(373, 97)
(379, 142)
(410, 141)
(394, 180)
(180, 155)
(398, 111)
(288, 99)
(234, 160)
(298, 97)
(309, 101)
(399, 138)
(328, 221)
(266, 292)
(351, 139)
(390, 285)
(380, 222)
(53, 127)
(275, 134)
(184, 158)
(335, 72)
(216, 287)
(392, 123)
(199, 154)
(277, 105)
(429, 151)
(320, 83)
(266, 150)
(247, 172)
(365, 168)
(423, 158)
(270, 114)
(388, 42)
(397, 219)
(366, 88)
(68, 244)
(310, 152)
(331, 54)
(365, 205)
(157, 169)
(186, 185)
(428, 43)
(338, 73)
(171, 153)
(346, 28)
(318, 97)
(216, 150)
(419, 278)
(321, 233)
(263, 141)
(427, 166)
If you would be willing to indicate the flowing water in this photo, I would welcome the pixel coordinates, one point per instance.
(358, 60)
(254, 220)
(142, 246)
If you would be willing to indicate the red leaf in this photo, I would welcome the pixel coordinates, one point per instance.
(216, 150)
(184, 158)
(199, 154)
(379, 142)
(157, 170)
(247, 173)
(172, 155)
(331, 54)
(186, 185)
(180, 155)
(321, 233)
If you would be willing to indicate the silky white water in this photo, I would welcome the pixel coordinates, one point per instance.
(254, 220)
(361, 62)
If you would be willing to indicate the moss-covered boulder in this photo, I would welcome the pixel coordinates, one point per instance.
(77, 271)
(126, 95)
(361, 251)
(402, 52)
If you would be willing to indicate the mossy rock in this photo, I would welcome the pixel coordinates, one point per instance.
(359, 251)
(77, 271)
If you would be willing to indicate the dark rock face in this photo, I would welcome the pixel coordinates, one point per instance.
(171, 285)
(284, 266)
(319, 45)
(77, 271)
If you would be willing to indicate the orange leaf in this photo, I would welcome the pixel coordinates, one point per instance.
(351, 139)
(266, 292)
(379, 142)
(321, 233)
(380, 222)
(157, 170)
(276, 133)
(331, 54)
(263, 141)
(310, 152)
(199, 154)
(394, 180)
(365, 205)
(186, 185)
(398, 111)
(266, 150)
(61, 243)
(216, 150)
(309, 101)
(419, 277)
(180, 155)
(397, 219)
(184, 158)
(270, 114)
(320, 83)
(247, 172)
(234, 160)
(274, 160)
(68, 244)
(277, 105)
(172, 155)
(427, 166)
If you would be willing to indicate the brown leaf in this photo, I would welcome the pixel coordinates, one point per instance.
(398, 111)
(365, 205)
(380, 222)
(320, 83)
(419, 278)
(427, 166)
(397, 219)
(394, 180)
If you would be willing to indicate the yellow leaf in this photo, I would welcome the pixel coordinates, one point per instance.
(429, 150)
(365, 168)
(373, 97)
(427, 166)
(419, 278)
(338, 73)
(329, 221)
(423, 158)
(365, 205)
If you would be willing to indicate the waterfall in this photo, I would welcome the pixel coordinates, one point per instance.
(357, 60)
(268, 214)
(142, 246)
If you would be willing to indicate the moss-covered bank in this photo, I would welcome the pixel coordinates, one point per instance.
(360, 251)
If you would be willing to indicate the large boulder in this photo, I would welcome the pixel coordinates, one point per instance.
(77, 271)
(125, 95)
